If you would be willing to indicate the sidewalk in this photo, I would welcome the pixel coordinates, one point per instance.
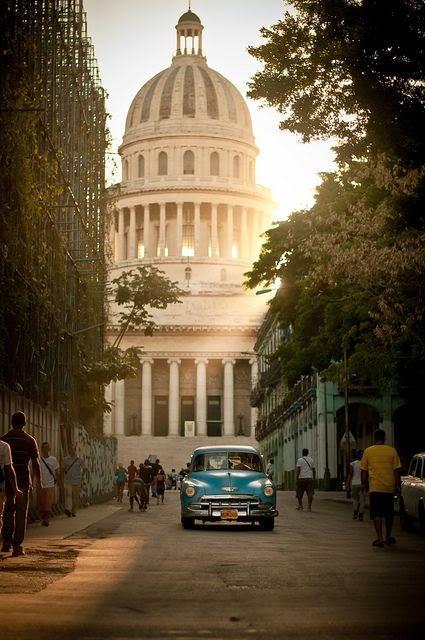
(62, 527)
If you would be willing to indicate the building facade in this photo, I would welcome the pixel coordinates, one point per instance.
(311, 415)
(189, 204)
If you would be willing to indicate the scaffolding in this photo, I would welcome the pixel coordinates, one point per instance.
(50, 83)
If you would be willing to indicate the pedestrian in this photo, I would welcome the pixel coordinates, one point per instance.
(173, 479)
(49, 476)
(73, 467)
(181, 476)
(160, 485)
(137, 492)
(380, 474)
(270, 468)
(120, 478)
(305, 477)
(7, 475)
(131, 472)
(145, 472)
(155, 468)
(354, 485)
(24, 450)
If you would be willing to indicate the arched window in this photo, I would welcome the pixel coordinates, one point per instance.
(162, 164)
(214, 164)
(236, 167)
(125, 170)
(141, 167)
(188, 163)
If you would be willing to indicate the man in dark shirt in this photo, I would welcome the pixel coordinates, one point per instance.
(24, 448)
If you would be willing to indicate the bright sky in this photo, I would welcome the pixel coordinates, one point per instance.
(134, 39)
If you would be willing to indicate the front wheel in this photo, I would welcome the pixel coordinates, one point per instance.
(267, 524)
(406, 521)
(188, 523)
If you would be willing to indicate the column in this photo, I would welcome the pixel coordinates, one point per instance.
(254, 379)
(120, 407)
(147, 397)
(201, 397)
(161, 240)
(146, 234)
(228, 399)
(244, 248)
(121, 235)
(107, 416)
(179, 242)
(197, 229)
(214, 231)
(112, 242)
(174, 398)
(132, 234)
(229, 234)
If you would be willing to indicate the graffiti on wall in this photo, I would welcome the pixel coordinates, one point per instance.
(99, 456)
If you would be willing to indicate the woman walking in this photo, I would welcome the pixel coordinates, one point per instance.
(120, 478)
(160, 485)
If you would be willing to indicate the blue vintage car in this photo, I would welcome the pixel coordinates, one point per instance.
(227, 483)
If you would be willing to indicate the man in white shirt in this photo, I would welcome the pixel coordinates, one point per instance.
(49, 474)
(305, 477)
(354, 485)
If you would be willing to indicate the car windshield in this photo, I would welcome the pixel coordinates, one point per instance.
(227, 460)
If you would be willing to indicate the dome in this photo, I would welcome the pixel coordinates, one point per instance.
(189, 93)
(189, 97)
(189, 16)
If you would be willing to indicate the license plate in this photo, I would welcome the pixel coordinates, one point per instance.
(229, 514)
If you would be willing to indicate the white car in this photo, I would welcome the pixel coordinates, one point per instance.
(412, 501)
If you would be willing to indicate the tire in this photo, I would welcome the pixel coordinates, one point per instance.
(188, 523)
(406, 521)
(268, 524)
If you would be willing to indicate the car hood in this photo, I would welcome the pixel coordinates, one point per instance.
(228, 482)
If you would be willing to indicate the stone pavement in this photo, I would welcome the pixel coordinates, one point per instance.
(140, 575)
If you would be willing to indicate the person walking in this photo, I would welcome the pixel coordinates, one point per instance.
(380, 473)
(73, 467)
(49, 467)
(270, 468)
(155, 468)
(120, 478)
(354, 485)
(131, 472)
(305, 477)
(160, 485)
(24, 450)
(137, 492)
(145, 472)
(7, 474)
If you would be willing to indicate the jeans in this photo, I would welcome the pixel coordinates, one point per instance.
(15, 519)
(72, 497)
(358, 499)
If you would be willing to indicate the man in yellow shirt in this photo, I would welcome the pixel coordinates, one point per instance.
(380, 469)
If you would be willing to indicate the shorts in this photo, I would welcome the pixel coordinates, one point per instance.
(381, 505)
(307, 485)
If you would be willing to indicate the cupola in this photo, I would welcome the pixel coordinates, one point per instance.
(189, 35)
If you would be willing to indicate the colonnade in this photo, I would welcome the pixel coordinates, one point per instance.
(233, 230)
(117, 396)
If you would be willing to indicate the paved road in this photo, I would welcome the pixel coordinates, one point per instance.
(142, 576)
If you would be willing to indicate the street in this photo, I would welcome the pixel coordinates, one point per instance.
(140, 575)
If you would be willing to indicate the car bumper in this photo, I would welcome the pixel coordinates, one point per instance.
(211, 510)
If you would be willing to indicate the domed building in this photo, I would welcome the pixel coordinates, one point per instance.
(189, 204)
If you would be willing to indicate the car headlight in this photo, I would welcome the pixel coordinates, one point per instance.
(190, 491)
(268, 490)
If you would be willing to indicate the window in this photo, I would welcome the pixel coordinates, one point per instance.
(162, 164)
(412, 468)
(188, 248)
(215, 164)
(227, 460)
(141, 167)
(125, 171)
(236, 167)
(418, 472)
(188, 163)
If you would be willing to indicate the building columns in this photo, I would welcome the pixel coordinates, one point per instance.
(254, 379)
(201, 397)
(214, 231)
(147, 397)
(174, 398)
(161, 239)
(120, 407)
(197, 229)
(229, 233)
(179, 240)
(146, 236)
(132, 234)
(228, 399)
(121, 235)
(244, 248)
